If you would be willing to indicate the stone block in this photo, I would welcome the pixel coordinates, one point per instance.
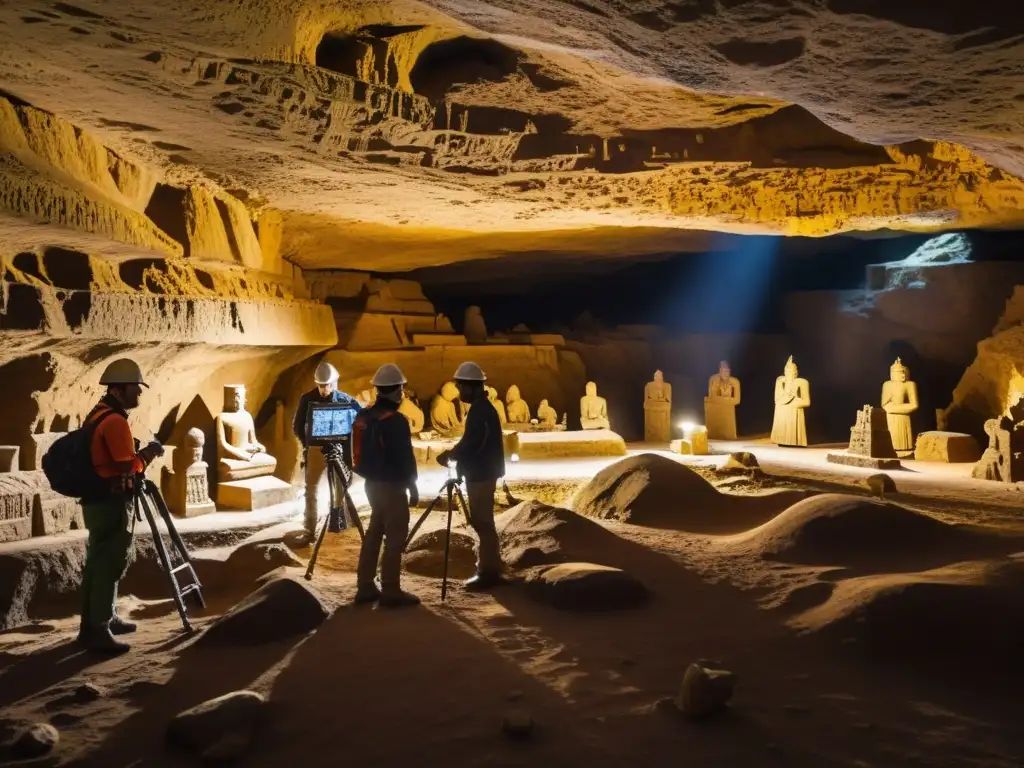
(868, 462)
(15, 510)
(53, 514)
(947, 447)
(439, 340)
(571, 444)
(9, 458)
(694, 445)
(254, 493)
(33, 457)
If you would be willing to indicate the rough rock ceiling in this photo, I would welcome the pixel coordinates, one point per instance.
(395, 135)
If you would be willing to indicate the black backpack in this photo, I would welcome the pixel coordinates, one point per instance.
(368, 459)
(68, 463)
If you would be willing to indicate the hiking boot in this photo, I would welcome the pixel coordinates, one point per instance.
(100, 640)
(119, 626)
(366, 593)
(482, 581)
(398, 599)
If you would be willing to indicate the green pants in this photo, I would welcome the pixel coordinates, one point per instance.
(106, 558)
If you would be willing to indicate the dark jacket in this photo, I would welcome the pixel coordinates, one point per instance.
(481, 453)
(389, 459)
(302, 412)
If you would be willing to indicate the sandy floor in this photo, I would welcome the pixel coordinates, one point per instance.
(430, 684)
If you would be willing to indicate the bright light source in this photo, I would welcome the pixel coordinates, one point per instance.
(514, 457)
(688, 426)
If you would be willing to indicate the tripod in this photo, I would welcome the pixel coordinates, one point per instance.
(338, 478)
(453, 491)
(147, 496)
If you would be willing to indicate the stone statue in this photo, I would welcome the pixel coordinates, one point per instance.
(792, 396)
(720, 404)
(412, 412)
(1003, 460)
(473, 326)
(518, 410)
(899, 399)
(546, 415)
(186, 482)
(593, 409)
(240, 455)
(492, 395)
(658, 410)
(443, 416)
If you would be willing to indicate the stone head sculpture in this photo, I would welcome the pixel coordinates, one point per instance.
(492, 393)
(591, 389)
(513, 394)
(194, 441)
(724, 371)
(791, 370)
(449, 391)
(543, 403)
(658, 377)
(898, 371)
(234, 398)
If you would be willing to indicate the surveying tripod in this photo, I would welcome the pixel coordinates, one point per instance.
(338, 478)
(453, 491)
(147, 496)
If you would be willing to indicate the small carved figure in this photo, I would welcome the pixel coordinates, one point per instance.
(899, 399)
(518, 410)
(720, 404)
(658, 410)
(593, 409)
(792, 397)
(546, 415)
(239, 454)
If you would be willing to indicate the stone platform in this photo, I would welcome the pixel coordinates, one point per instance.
(867, 462)
(254, 493)
(947, 447)
(570, 444)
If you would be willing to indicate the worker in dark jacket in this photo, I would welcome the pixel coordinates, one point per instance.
(480, 459)
(382, 452)
(326, 391)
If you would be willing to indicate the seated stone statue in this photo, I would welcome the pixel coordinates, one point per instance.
(412, 412)
(240, 455)
(444, 418)
(899, 400)
(593, 409)
(720, 404)
(492, 395)
(546, 415)
(792, 396)
(658, 410)
(518, 410)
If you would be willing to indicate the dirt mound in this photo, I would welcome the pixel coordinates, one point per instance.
(971, 609)
(655, 491)
(279, 609)
(741, 461)
(839, 529)
(533, 534)
(425, 555)
(585, 587)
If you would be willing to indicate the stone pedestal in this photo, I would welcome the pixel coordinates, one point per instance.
(657, 422)
(570, 444)
(186, 485)
(947, 447)
(254, 493)
(720, 418)
(694, 444)
(9, 458)
(870, 442)
(868, 462)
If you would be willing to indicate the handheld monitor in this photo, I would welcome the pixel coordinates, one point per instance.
(329, 422)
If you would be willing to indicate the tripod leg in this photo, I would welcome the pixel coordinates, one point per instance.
(179, 544)
(165, 561)
(316, 549)
(447, 542)
(416, 527)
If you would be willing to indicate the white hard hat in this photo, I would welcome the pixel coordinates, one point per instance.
(123, 371)
(469, 372)
(388, 375)
(325, 373)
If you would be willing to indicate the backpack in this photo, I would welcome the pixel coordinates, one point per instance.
(368, 443)
(68, 462)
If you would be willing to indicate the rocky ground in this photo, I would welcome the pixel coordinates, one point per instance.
(860, 633)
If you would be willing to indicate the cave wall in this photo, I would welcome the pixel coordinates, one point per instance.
(845, 341)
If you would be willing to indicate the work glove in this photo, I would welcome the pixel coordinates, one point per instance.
(414, 495)
(151, 451)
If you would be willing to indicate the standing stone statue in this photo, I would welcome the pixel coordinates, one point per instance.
(518, 410)
(593, 409)
(443, 416)
(720, 404)
(792, 396)
(899, 400)
(658, 410)
(492, 395)
(186, 482)
(473, 326)
(240, 455)
(547, 415)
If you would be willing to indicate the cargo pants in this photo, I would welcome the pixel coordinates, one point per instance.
(481, 518)
(110, 524)
(389, 521)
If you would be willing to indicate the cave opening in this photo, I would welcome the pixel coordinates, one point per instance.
(461, 60)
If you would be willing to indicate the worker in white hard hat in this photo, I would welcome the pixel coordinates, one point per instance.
(109, 513)
(382, 454)
(314, 466)
(480, 459)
